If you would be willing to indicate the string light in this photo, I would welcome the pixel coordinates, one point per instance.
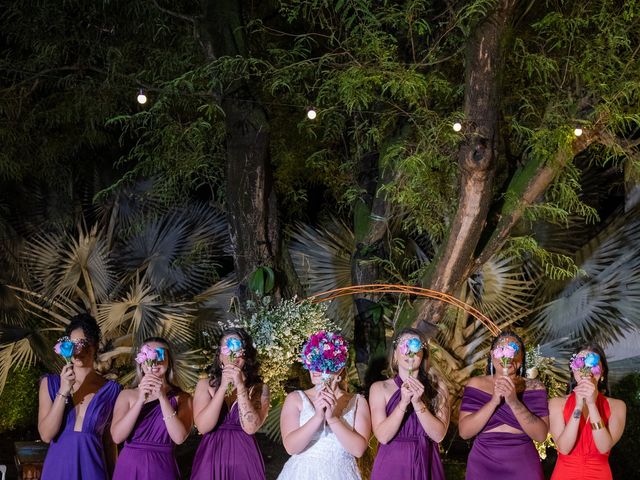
(577, 132)
(457, 127)
(142, 98)
(311, 113)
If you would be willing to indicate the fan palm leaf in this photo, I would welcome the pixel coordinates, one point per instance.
(179, 250)
(322, 260)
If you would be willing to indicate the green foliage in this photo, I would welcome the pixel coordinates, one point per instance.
(262, 281)
(19, 401)
(623, 461)
(555, 265)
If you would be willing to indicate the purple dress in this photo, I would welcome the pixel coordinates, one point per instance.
(502, 454)
(227, 452)
(80, 455)
(148, 452)
(411, 454)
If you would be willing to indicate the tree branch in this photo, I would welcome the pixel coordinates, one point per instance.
(182, 16)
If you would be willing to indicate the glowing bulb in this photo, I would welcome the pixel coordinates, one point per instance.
(142, 98)
(577, 132)
(311, 114)
(457, 127)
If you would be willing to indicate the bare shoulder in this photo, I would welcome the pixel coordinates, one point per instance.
(617, 405)
(533, 384)
(293, 400)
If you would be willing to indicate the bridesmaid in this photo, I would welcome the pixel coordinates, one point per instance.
(152, 418)
(229, 407)
(75, 410)
(505, 412)
(410, 413)
(586, 424)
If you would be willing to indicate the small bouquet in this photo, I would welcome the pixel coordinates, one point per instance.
(588, 364)
(325, 352)
(150, 357)
(410, 347)
(67, 348)
(506, 353)
(233, 349)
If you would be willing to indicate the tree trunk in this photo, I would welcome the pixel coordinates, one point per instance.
(476, 159)
(251, 203)
(370, 220)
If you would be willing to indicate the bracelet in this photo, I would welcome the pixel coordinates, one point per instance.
(58, 394)
(597, 425)
(422, 410)
(175, 412)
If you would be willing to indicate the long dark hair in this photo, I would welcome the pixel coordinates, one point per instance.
(169, 374)
(89, 327)
(251, 367)
(508, 333)
(603, 383)
(430, 394)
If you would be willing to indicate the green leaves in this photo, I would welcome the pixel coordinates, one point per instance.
(262, 281)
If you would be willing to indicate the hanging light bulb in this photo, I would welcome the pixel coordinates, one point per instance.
(577, 132)
(142, 98)
(457, 127)
(311, 113)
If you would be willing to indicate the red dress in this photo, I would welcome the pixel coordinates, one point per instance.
(584, 462)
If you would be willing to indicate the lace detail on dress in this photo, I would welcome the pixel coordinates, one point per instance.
(324, 457)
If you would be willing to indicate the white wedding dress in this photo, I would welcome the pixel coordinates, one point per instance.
(324, 458)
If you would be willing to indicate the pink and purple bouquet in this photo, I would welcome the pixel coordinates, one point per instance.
(67, 348)
(411, 347)
(325, 352)
(586, 363)
(506, 353)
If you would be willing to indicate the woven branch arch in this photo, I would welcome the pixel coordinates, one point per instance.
(407, 290)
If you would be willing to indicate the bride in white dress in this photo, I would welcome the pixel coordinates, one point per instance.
(324, 428)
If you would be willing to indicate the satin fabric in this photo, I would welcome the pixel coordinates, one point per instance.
(411, 454)
(584, 462)
(501, 454)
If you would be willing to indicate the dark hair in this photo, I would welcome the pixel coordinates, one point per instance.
(169, 374)
(430, 387)
(89, 327)
(603, 383)
(508, 333)
(251, 367)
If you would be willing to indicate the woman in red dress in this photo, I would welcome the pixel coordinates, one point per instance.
(586, 424)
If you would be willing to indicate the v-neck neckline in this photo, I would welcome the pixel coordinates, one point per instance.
(89, 406)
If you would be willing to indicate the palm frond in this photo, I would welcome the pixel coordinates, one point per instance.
(604, 302)
(179, 251)
(322, 259)
(215, 305)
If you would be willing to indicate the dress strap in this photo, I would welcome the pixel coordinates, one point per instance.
(398, 381)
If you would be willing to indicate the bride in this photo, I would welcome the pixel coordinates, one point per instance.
(324, 428)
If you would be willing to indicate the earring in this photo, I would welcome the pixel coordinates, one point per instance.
(491, 368)
(521, 371)
(338, 378)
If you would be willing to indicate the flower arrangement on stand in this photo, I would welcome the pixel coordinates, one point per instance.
(541, 368)
(278, 332)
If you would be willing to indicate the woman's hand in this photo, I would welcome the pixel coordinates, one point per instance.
(507, 388)
(320, 403)
(406, 395)
(585, 389)
(330, 399)
(235, 373)
(67, 379)
(226, 378)
(417, 389)
(148, 385)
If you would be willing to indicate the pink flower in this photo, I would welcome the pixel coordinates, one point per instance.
(141, 358)
(225, 350)
(596, 370)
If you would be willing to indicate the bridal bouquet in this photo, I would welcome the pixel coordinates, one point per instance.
(67, 348)
(325, 352)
